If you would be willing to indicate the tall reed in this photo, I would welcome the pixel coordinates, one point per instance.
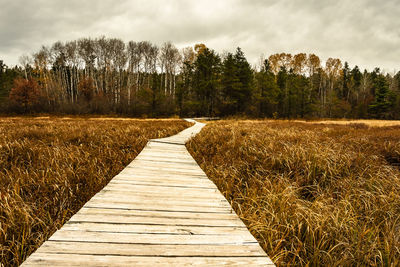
(50, 167)
(312, 194)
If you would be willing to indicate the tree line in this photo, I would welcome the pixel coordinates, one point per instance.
(107, 75)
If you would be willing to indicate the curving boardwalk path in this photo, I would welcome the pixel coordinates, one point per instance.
(160, 210)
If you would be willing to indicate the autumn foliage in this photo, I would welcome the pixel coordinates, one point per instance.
(25, 94)
(107, 75)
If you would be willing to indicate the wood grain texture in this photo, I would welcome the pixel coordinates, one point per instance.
(160, 210)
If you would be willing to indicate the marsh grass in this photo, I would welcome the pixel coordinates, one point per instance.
(312, 194)
(50, 167)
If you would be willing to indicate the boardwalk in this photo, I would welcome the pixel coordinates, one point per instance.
(160, 210)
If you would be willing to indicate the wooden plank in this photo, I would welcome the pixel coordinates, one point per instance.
(161, 175)
(164, 156)
(123, 184)
(154, 174)
(201, 201)
(187, 192)
(194, 206)
(155, 229)
(154, 220)
(49, 259)
(208, 196)
(96, 248)
(188, 165)
(155, 186)
(121, 195)
(154, 206)
(170, 170)
(150, 239)
(163, 214)
(163, 159)
(158, 182)
(171, 179)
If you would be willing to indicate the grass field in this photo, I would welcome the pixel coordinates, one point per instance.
(318, 193)
(49, 167)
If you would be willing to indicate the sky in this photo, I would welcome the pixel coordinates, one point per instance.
(363, 32)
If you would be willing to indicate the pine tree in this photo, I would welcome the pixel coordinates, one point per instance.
(236, 80)
(281, 80)
(268, 91)
(382, 103)
(206, 78)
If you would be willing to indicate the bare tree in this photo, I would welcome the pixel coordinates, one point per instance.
(119, 60)
(41, 61)
(25, 61)
(86, 50)
(170, 58)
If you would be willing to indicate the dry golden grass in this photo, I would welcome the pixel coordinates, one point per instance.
(312, 194)
(50, 167)
(370, 123)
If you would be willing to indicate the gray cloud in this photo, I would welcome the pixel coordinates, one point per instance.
(363, 32)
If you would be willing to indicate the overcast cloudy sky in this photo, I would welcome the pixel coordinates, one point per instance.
(363, 32)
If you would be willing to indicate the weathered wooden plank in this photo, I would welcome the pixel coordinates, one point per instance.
(161, 175)
(111, 195)
(156, 186)
(160, 149)
(154, 206)
(181, 162)
(180, 165)
(186, 195)
(164, 169)
(127, 196)
(168, 179)
(155, 229)
(149, 153)
(97, 248)
(142, 186)
(123, 184)
(176, 205)
(154, 220)
(209, 196)
(161, 214)
(163, 159)
(151, 239)
(49, 259)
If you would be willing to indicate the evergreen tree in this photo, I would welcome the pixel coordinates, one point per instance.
(230, 84)
(268, 91)
(382, 103)
(7, 77)
(245, 76)
(281, 80)
(206, 81)
(345, 94)
(236, 80)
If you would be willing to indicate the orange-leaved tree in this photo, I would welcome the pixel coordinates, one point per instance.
(25, 94)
